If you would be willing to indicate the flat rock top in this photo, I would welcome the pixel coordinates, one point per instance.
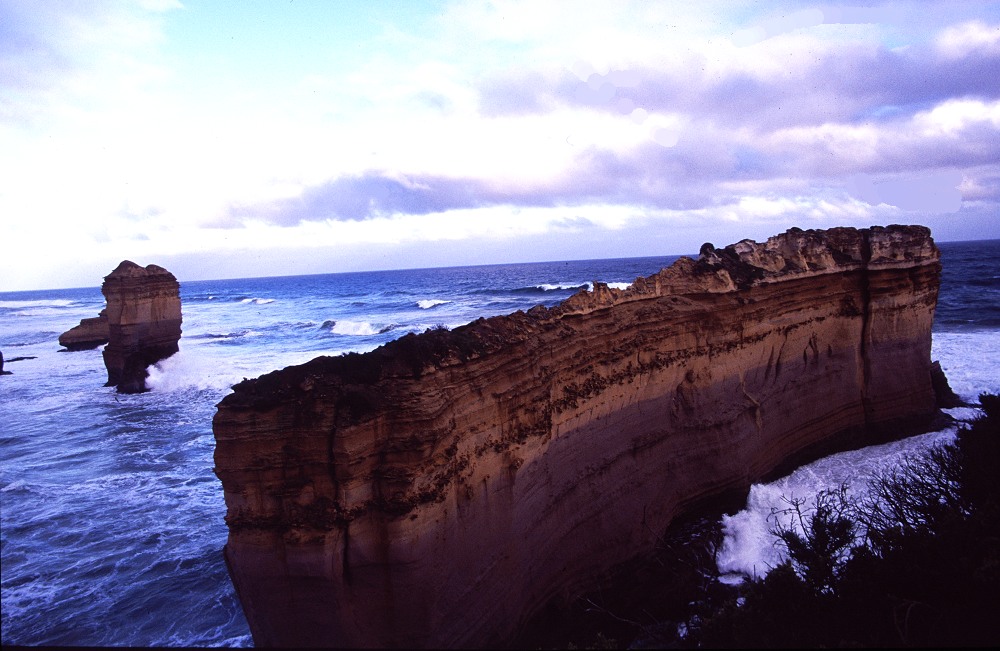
(795, 253)
(129, 269)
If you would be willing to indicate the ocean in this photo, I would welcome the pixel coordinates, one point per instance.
(112, 519)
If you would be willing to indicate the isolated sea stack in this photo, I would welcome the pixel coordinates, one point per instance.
(437, 491)
(144, 322)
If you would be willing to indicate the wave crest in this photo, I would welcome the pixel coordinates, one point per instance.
(20, 305)
(356, 328)
(428, 304)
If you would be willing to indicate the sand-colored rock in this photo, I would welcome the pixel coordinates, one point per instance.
(437, 491)
(144, 322)
(89, 334)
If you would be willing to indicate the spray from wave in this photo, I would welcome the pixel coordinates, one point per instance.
(428, 304)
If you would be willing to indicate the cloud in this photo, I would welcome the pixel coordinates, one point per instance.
(782, 82)
(981, 186)
(59, 58)
(704, 163)
(972, 37)
(936, 192)
(649, 175)
(143, 131)
(779, 24)
(513, 92)
(365, 196)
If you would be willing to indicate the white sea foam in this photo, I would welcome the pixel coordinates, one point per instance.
(202, 338)
(15, 486)
(970, 361)
(258, 301)
(428, 304)
(355, 328)
(14, 305)
(589, 286)
(200, 368)
(189, 370)
(551, 287)
(749, 548)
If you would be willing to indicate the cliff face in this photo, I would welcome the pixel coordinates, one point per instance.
(143, 320)
(438, 490)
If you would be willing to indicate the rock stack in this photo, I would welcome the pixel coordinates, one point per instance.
(437, 491)
(144, 322)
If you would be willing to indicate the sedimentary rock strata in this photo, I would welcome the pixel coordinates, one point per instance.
(89, 334)
(438, 490)
(144, 322)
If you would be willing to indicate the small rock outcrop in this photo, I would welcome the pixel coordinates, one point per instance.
(2, 372)
(144, 322)
(437, 491)
(91, 333)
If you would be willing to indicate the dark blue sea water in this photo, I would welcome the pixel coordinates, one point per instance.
(112, 519)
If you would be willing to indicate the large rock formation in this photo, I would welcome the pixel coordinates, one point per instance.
(438, 490)
(90, 333)
(144, 322)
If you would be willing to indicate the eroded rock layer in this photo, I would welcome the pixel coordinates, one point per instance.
(90, 333)
(143, 320)
(438, 490)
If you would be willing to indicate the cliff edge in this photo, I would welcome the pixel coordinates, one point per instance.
(89, 334)
(438, 490)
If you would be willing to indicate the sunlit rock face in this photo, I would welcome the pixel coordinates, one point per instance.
(144, 322)
(437, 491)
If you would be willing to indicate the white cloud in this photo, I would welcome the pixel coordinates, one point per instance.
(970, 37)
(521, 119)
(937, 192)
(951, 117)
(779, 24)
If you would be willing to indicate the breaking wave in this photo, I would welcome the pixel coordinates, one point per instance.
(428, 304)
(748, 549)
(20, 305)
(555, 287)
(356, 328)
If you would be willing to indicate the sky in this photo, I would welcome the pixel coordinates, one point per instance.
(231, 139)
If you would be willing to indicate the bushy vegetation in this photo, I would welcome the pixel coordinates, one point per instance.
(915, 563)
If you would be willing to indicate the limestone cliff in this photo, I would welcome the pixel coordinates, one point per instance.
(90, 333)
(144, 322)
(438, 490)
